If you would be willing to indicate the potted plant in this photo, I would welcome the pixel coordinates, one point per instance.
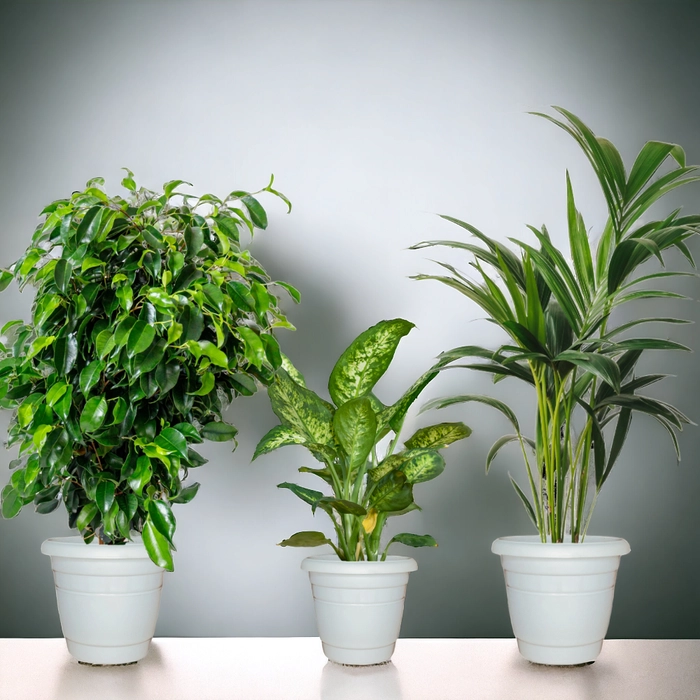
(567, 343)
(149, 317)
(358, 589)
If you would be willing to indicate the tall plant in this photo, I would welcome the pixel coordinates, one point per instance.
(564, 339)
(356, 440)
(149, 317)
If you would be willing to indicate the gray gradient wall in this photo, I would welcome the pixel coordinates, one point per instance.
(373, 116)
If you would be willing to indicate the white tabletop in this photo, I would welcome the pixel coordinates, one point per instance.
(295, 669)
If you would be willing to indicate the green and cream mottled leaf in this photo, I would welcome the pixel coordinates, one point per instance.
(366, 360)
(355, 427)
(300, 408)
(438, 436)
(279, 436)
(422, 465)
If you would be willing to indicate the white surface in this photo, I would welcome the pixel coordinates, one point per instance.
(295, 669)
(560, 596)
(359, 606)
(108, 598)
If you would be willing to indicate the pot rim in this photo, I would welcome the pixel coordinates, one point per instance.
(330, 564)
(75, 548)
(531, 547)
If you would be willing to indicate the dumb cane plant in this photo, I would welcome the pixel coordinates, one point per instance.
(149, 317)
(369, 483)
(564, 338)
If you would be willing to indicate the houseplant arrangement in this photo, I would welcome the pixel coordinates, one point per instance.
(149, 317)
(358, 590)
(566, 343)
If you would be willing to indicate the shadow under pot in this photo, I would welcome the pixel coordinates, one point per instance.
(359, 606)
(560, 596)
(108, 598)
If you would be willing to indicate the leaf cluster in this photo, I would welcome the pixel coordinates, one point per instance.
(346, 437)
(149, 317)
(563, 341)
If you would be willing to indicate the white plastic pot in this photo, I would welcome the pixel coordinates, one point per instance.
(359, 606)
(108, 598)
(560, 596)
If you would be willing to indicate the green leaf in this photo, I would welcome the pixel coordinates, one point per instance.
(89, 226)
(599, 365)
(423, 465)
(167, 375)
(62, 274)
(173, 441)
(578, 242)
(214, 295)
(5, 278)
(141, 475)
(93, 414)
(89, 263)
(192, 323)
(162, 517)
(90, 376)
(104, 343)
(293, 292)
(411, 540)
(39, 344)
(494, 403)
(87, 514)
(44, 308)
(157, 546)
(307, 538)
(140, 337)
(650, 158)
(355, 427)
(501, 442)
(206, 386)
(194, 238)
(65, 352)
(307, 495)
(104, 496)
(528, 506)
(217, 357)
(256, 211)
(187, 494)
(438, 436)
(11, 502)
(254, 348)
(218, 431)
(366, 360)
(150, 358)
(54, 394)
(279, 436)
(63, 405)
(344, 507)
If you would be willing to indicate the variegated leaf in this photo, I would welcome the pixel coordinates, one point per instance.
(279, 436)
(438, 436)
(366, 359)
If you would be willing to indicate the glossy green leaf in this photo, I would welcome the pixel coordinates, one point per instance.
(62, 275)
(173, 441)
(162, 517)
(141, 475)
(93, 414)
(88, 512)
(411, 540)
(307, 538)
(218, 431)
(140, 337)
(187, 494)
(11, 502)
(157, 546)
(307, 495)
(90, 376)
(104, 496)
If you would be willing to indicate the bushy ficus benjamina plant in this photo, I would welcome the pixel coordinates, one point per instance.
(149, 318)
(356, 439)
(564, 339)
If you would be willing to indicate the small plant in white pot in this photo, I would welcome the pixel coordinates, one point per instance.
(359, 590)
(567, 343)
(149, 317)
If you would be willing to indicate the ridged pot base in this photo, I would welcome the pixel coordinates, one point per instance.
(560, 596)
(359, 606)
(108, 598)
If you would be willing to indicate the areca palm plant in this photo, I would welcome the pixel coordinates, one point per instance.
(563, 337)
